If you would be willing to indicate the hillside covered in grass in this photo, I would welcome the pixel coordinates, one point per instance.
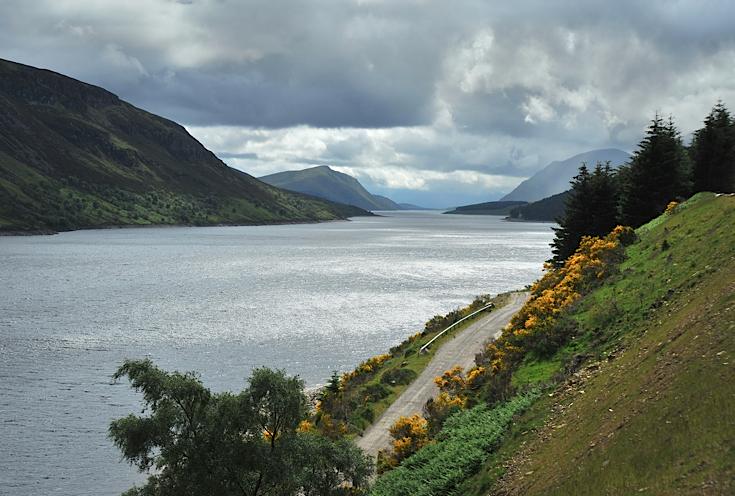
(73, 155)
(633, 357)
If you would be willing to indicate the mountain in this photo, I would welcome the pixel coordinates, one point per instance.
(73, 155)
(487, 208)
(327, 183)
(411, 206)
(555, 177)
(546, 210)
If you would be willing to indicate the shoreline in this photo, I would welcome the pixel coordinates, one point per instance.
(51, 232)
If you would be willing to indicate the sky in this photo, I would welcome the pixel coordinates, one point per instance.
(437, 103)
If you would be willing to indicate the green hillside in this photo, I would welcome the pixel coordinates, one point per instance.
(546, 210)
(638, 393)
(73, 155)
(323, 182)
(487, 208)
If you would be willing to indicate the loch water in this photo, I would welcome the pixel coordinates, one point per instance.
(219, 301)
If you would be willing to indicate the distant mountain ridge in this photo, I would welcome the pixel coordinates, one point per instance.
(73, 155)
(487, 208)
(325, 182)
(554, 178)
(546, 210)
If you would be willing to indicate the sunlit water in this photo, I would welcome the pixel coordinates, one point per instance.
(220, 300)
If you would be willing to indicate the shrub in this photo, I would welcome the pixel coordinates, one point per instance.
(465, 442)
(398, 376)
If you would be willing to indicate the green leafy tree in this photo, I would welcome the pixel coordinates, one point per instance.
(194, 442)
(713, 152)
(657, 174)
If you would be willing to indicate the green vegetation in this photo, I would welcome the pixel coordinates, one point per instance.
(634, 373)
(487, 208)
(462, 445)
(590, 210)
(546, 210)
(350, 403)
(713, 151)
(73, 156)
(661, 171)
(256, 442)
(640, 397)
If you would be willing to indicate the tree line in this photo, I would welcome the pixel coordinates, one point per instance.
(661, 170)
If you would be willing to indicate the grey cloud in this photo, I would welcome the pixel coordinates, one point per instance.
(498, 88)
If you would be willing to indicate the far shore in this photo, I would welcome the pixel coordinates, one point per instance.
(50, 232)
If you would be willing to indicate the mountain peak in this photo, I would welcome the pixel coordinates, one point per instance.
(555, 177)
(324, 182)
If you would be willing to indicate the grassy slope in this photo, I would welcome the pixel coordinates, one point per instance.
(650, 410)
(74, 155)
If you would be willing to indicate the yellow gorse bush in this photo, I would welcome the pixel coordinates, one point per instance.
(671, 207)
(595, 259)
(409, 435)
(452, 381)
(365, 368)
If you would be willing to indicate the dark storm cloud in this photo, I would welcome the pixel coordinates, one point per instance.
(405, 93)
(365, 63)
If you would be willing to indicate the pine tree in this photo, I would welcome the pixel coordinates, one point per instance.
(590, 210)
(574, 221)
(713, 152)
(603, 212)
(657, 174)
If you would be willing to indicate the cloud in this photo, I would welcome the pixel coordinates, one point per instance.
(410, 95)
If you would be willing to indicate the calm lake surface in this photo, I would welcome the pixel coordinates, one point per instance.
(220, 301)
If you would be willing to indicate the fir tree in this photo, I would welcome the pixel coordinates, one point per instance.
(657, 174)
(574, 221)
(603, 212)
(590, 210)
(713, 152)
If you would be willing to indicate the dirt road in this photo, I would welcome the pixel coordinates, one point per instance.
(460, 351)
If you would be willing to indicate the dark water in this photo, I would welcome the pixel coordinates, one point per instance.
(220, 300)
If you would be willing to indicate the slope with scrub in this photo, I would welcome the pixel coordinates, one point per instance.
(635, 373)
(640, 399)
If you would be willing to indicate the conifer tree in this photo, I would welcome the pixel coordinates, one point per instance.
(657, 174)
(574, 221)
(713, 152)
(590, 210)
(603, 213)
